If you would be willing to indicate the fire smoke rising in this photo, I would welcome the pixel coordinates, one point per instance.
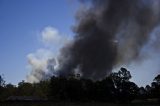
(42, 63)
(108, 34)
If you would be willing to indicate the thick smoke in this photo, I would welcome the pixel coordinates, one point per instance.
(108, 34)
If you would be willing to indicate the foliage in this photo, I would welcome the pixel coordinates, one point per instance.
(2, 82)
(116, 87)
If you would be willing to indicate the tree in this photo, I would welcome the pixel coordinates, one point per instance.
(157, 79)
(125, 90)
(25, 89)
(9, 90)
(74, 90)
(148, 91)
(155, 91)
(124, 74)
(2, 82)
(58, 88)
(41, 89)
(104, 90)
(88, 89)
(2, 85)
(142, 93)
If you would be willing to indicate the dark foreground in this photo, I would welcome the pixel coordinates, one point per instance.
(72, 104)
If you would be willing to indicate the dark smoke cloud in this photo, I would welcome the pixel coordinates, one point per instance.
(108, 33)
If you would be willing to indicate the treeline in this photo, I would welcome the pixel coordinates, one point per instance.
(116, 87)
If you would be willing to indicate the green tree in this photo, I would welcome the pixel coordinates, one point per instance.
(25, 89)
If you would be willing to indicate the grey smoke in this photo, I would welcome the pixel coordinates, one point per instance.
(109, 33)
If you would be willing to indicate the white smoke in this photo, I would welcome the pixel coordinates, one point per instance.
(38, 64)
(43, 62)
(52, 37)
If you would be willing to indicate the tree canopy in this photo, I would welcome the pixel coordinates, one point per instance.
(116, 87)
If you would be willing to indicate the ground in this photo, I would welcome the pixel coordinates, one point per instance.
(71, 104)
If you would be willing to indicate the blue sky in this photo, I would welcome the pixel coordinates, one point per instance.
(23, 23)
(20, 23)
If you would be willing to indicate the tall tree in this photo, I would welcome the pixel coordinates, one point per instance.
(125, 90)
(2, 82)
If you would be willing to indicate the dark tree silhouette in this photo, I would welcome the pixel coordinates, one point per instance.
(125, 90)
(2, 82)
(155, 90)
(115, 88)
(58, 88)
(157, 79)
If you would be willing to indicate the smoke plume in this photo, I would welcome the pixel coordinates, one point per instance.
(110, 34)
(42, 63)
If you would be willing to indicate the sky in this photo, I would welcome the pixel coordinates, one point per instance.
(32, 31)
(22, 23)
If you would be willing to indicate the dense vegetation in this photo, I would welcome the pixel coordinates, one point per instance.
(116, 87)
